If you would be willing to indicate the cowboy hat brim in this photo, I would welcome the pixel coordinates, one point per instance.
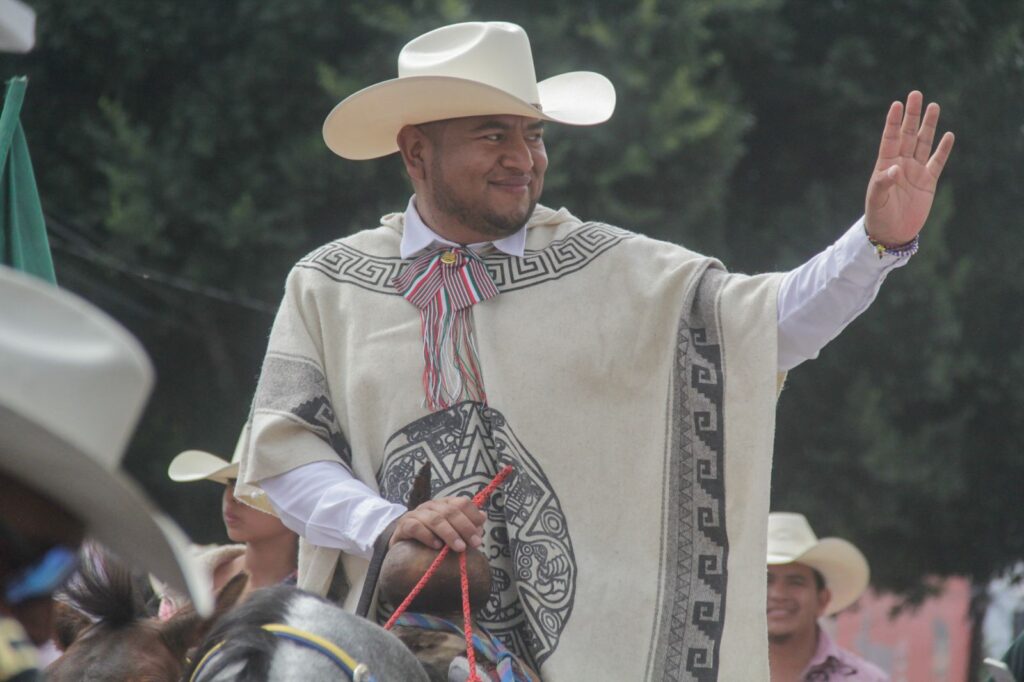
(114, 510)
(197, 465)
(365, 125)
(842, 565)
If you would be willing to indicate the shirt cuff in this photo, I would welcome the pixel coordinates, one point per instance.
(325, 504)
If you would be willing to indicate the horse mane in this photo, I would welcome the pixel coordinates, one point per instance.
(107, 591)
(245, 652)
(241, 638)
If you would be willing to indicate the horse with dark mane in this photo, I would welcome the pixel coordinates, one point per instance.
(107, 627)
(282, 634)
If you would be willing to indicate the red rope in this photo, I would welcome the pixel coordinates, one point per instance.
(479, 499)
(467, 624)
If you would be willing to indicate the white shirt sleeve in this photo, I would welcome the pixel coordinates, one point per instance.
(324, 503)
(818, 299)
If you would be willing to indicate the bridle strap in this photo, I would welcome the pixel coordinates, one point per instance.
(357, 672)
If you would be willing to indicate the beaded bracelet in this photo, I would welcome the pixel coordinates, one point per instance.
(902, 251)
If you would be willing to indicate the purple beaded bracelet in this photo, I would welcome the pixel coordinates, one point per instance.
(902, 251)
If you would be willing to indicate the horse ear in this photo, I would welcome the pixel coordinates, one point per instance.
(186, 628)
(68, 624)
(420, 492)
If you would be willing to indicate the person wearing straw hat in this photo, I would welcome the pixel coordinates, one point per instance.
(264, 548)
(810, 578)
(477, 328)
(74, 385)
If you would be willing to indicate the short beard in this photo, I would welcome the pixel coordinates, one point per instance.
(487, 223)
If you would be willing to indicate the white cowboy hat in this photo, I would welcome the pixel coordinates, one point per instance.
(471, 69)
(846, 572)
(199, 465)
(74, 385)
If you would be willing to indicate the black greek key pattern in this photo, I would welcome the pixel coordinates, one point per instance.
(690, 619)
(344, 264)
(527, 540)
(558, 259)
(347, 265)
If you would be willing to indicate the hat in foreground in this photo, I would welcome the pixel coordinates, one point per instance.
(469, 69)
(846, 573)
(74, 385)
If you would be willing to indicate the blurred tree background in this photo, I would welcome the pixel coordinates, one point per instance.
(178, 152)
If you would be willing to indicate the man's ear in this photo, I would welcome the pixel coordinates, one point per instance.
(412, 145)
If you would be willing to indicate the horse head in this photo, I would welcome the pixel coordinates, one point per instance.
(108, 630)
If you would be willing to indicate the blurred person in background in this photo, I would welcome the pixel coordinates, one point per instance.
(74, 384)
(263, 547)
(809, 579)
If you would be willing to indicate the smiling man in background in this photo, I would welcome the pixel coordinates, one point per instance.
(808, 579)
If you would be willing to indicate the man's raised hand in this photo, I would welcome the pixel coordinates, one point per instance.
(902, 186)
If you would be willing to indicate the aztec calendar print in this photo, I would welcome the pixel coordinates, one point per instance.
(526, 537)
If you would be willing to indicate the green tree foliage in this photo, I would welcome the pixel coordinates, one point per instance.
(179, 157)
(905, 434)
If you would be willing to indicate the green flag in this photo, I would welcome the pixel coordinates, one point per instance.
(23, 242)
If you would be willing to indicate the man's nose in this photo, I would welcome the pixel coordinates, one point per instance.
(517, 154)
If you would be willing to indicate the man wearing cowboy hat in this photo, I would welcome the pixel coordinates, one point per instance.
(810, 578)
(479, 328)
(74, 384)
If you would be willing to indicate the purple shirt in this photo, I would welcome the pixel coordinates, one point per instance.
(831, 663)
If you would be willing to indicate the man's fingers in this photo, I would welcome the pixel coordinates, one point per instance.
(454, 521)
(938, 160)
(911, 121)
(413, 529)
(926, 135)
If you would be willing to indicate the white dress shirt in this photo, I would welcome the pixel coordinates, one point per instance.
(324, 503)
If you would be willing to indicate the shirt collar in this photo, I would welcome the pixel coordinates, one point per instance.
(826, 647)
(418, 237)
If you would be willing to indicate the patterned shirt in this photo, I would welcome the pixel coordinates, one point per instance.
(831, 663)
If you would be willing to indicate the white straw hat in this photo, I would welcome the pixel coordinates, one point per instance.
(199, 465)
(469, 69)
(74, 385)
(846, 572)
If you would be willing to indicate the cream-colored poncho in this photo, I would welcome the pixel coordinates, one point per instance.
(631, 382)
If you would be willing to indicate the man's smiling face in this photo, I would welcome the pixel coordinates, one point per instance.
(795, 600)
(482, 175)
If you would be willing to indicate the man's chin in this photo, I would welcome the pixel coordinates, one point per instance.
(507, 224)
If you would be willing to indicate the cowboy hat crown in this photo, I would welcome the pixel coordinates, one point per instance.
(468, 69)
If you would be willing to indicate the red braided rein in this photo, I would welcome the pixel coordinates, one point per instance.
(479, 499)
